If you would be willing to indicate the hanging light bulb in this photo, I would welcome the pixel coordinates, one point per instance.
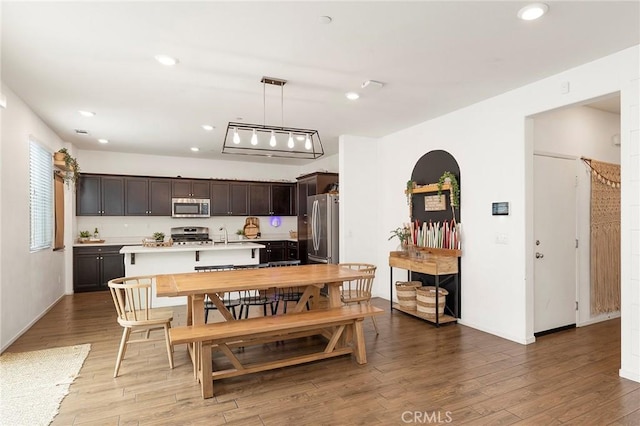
(290, 142)
(272, 141)
(307, 143)
(236, 136)
(254, 138)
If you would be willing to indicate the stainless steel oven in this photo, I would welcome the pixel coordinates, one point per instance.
(190, 207)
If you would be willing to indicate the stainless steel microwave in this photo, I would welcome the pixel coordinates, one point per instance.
(190, 207)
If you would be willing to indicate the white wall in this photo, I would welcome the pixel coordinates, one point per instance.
(358, 233)
(488, 141)
(630, 224)
(580, 131)
(30, 283)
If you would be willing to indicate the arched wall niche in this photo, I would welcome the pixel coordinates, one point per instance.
(428, 169)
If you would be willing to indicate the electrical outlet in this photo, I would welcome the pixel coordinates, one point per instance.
(502, 238)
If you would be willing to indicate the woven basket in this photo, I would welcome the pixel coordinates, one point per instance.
(406, 292)
(426, 300)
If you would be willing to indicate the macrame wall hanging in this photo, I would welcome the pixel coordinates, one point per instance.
(605, 236)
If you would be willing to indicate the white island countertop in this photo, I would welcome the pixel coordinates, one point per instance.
(141, 261)
(188, 248)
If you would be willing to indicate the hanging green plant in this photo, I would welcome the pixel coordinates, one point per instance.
(450, 178)
(409, 191)
(72, 169)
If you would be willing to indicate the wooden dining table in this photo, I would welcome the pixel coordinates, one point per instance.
(197, 285)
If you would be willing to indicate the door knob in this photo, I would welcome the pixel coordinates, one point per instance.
(539, 255)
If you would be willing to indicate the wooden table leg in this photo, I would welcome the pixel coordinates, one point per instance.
(197, 318)
(360, 348)
(206, 380)
(334, 295)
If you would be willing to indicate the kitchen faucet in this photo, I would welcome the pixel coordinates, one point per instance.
(226, 235)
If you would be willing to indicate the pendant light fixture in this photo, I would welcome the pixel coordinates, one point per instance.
(247, 138)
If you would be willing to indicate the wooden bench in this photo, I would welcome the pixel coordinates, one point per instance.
(223, 336)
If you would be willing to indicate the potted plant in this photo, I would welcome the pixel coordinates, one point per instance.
(72, 169)
(240, 234)
(84, 235)
(158, 236)
(403, 234)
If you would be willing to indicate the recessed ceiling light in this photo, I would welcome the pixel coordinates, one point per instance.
(208, 127)
(325, 19)
(86, 113)
(352, 96)
(532, 11)
(166, 60)
(103, 140)
(195, 149)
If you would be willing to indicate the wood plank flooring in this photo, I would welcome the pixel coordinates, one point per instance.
(416, 374)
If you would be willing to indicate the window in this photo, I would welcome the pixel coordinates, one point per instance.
(40, 196)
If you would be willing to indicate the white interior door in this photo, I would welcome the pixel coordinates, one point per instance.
(555, 239)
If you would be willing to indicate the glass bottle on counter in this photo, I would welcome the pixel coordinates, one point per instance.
(96, 234)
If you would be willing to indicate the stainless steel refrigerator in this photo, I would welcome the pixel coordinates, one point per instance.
(322, 228)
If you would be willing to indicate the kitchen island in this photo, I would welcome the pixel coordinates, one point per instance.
(141, 260)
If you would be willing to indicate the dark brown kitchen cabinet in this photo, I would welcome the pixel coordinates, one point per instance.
(147, 196)
(311, 184)
(190, 188)
(259, 199)
(239, 199)
(292, 250)
(271, 199)
(229, 198)
(283, 199)
(220, 199)
(274, 251)
(100, 195)
(94, 266)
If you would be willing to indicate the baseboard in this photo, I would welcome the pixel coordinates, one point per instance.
(599, 318)
(525, 341)
(31, 324)
(631, 375)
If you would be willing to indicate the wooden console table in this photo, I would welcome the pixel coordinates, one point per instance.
(433, 262)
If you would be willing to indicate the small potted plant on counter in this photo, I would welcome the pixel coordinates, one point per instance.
(84, 236)
(158, 236)
(240, 234)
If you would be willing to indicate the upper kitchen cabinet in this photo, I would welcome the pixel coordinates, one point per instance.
(100, 195)
(283, 199)
(267, 199)
(220, 199)
(147, 196)
(239, 199)
(188, 188)
(229, 198)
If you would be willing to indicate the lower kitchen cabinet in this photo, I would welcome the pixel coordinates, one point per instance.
(94, 266)
(292, 250)
(274, 251)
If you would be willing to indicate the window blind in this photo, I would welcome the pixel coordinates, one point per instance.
(40, 196)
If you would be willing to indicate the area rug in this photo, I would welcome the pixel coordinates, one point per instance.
(33, 384)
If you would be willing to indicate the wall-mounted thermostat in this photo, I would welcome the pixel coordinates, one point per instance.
(500, 209)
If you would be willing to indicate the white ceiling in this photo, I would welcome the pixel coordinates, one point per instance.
(434, 57)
